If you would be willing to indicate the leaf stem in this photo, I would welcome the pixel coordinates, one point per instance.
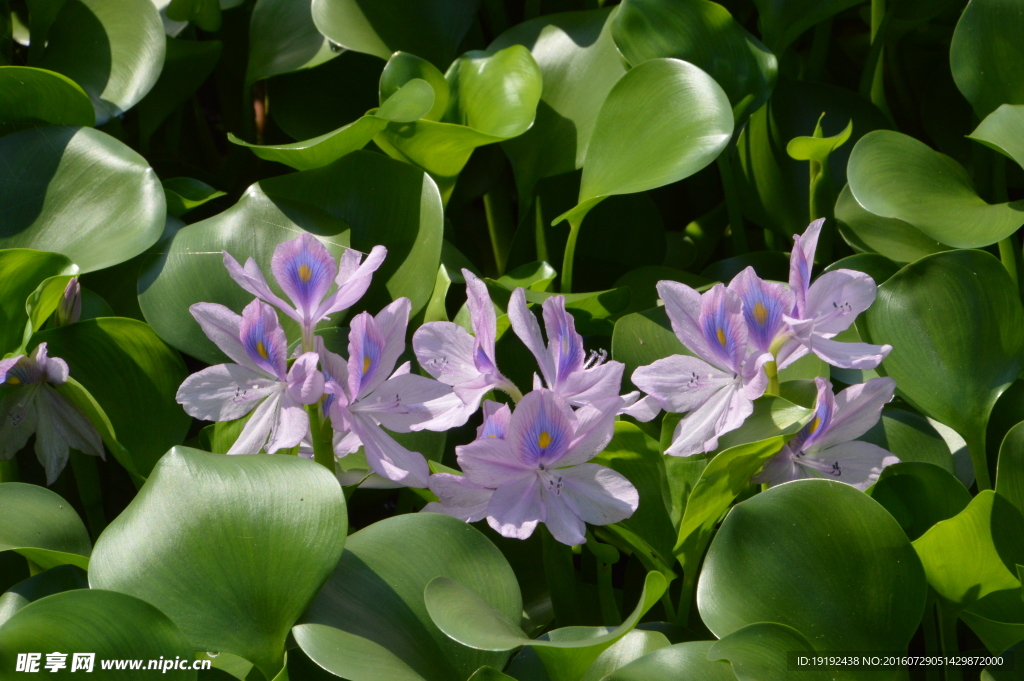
(570, 253)
(323, 437)
(931, 636)
(873, 78)
(610, 615)
(732, 201)
(950, 646)
(561, 577)
(1008, 254)
(979, 459)
(819, 50)
(772, 370)
(87, 478)
(500, 226)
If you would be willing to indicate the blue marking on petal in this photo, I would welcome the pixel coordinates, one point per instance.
(719, 333)
(568, 347)
(763, 313)
(817, 426)
(545, 438)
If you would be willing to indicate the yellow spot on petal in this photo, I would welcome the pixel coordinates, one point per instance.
(815, 424)
(760, 313)
(544, 439)
(305, 274)
(13, 380)
(721, 337)
(262, 349)
(366, 365)
(492, 435)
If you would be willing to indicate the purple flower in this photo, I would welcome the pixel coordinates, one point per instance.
(305, 271)
(365, 393)
(827, 448)
(718, 386)
(69, 309)
(34, 406)
(539, 472)
(765, 306)
(259, 379)
(467, 363)
(563, 362)
(825, 308)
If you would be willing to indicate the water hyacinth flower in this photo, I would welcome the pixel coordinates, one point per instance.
(259, 379)
(826, 447)
(539, 472)
(563, 362)
(69, 308)
(365, 393)
(467, 363)
(305, 271)
(34, 406)
(825, 308)
(457, 495)
(718, 386)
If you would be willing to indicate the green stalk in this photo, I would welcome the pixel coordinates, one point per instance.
(500, 226)
(979, 459)
(685, 598)
(570, 253)
(1008, 249)
(9, 471)
(874, 66)
(561, 577)
(950, 646)
(323, 437)
(87, 478)
(819, 50)
(931, 636)
(610, 616)
(540, 232)
(772, 370)
(732, 201)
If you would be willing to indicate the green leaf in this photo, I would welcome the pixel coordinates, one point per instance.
(87, 404)
(188, 64)
(403, 67)
(431, 30)
(681, 661)
(910, 437)
(976, 552)
(571, 98)
(818, 148)
(48, 531)
(493, 96)
(21, 272)
(997, 619)
(185, 193)
(408, 104)
(761, 651)
(986, 54)
(847, 579)
(867, 232)
(896, 176)
(42, 302)
(641, 338)
(567, 653)
(283, 38)
(111, 625)
(46, 583)
(203, 13)
(1002, 130)
(132, 375)
(435, 310)
(535, 276)
(79, 192)
(704, 34)
(633, 646)
(643, 283)
(114, 49)
(878, 267)
(783, 21)
(274, 523)
(918, 495)
(382, 201)
(662, 122)
(34, 97)
(725, 478)
(370, 623)
(770, 265)
(959, 314)
(1010, 469)
(638, 457)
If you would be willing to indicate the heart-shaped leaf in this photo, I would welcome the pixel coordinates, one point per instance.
(662, 122)
(382, 201)
(896, 176)
(283, 38)
(918, 495)
(133, 376)
(683, 660)
(704, 34)
(986, 54)
(114, 49)
(55, 580)
(408, 104)
(79, 192)
(370, 622)
(275, 523)
(109, 625)
(34, 97)
(641, 338)
(432, 30)
(976, 552)
(567, 653)
(48, 531)
(185, 193)
(761, 651)
(1003, 130)
(571, 98)
(959, 314)
(895, 239)
(848, 579)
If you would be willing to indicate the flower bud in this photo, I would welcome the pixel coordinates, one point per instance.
(69, 309)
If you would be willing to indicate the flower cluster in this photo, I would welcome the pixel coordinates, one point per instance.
(742, 334)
